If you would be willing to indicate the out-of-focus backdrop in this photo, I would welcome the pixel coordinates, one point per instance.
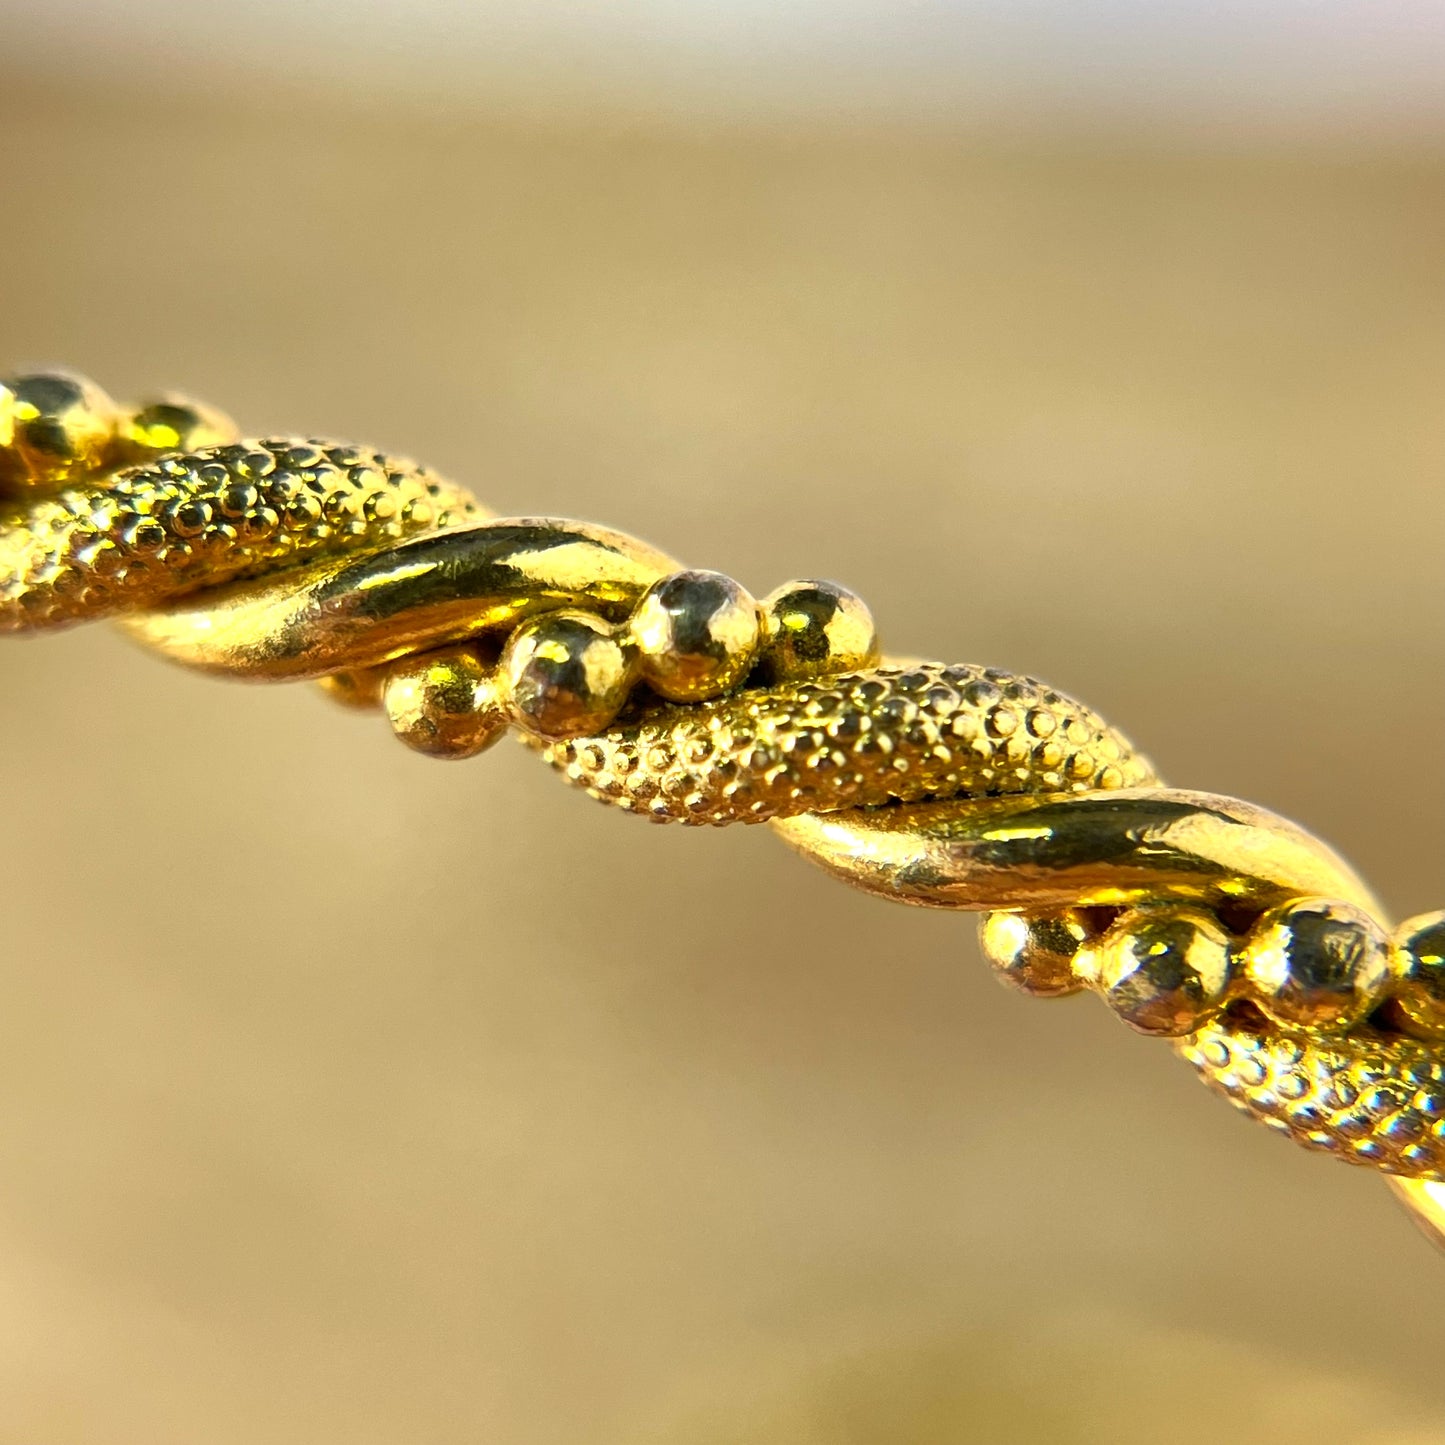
(349, 1097)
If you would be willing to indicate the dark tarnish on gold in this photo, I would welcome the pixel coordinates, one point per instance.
(674, 694)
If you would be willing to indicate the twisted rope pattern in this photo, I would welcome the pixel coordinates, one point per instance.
(676, 695)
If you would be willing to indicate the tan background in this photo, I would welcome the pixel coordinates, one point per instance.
(347, 1097)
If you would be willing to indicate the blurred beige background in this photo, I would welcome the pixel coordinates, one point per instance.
(349, 1097)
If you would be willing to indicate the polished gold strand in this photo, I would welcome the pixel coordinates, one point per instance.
(677, 695)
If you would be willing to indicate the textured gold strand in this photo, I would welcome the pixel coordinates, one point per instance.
(677, 695)
(855, 740)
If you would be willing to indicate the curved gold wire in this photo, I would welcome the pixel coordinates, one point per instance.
(1105, 849)
(357, 612)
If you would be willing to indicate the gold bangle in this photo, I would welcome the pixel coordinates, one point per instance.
(675, 694)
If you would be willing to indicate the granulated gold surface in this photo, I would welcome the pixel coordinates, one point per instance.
(162, 529)
(1371, 1101)
(890, 734)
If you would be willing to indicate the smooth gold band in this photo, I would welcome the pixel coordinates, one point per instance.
(356, 612)
(1102, 849)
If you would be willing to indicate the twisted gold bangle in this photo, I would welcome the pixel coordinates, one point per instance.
(677, 695)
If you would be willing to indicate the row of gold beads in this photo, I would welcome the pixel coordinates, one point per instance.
(1313, 964)
(692, 637)
(57, 428)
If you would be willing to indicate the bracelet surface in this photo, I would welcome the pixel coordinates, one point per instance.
(675, 694)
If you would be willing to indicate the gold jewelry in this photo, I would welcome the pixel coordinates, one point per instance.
(675, 694)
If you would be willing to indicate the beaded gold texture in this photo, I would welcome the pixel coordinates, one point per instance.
(677, 695)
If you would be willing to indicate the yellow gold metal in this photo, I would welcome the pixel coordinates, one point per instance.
(59, 426)
(1368, 1097)
(1317, 963)
(674, 694)
(172, 423)
(566, 673)
(362, 689)
(447, 704)
(815, 629)
(888, 734)
(1102, 849)
(1418, 963)
(351, 612)
(1163, 970)
(696, 635)
(1424, 1199)
(142, 535)
(1036, 954)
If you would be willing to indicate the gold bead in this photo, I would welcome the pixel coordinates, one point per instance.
(173, 423)
(815, 629)
(60, 428)
(1317, 964)
(7, 420)
(697, 634)
(1163, 970)
(445, 703)
(566, 674)
(1035, 954)
(1417, 960)
(360, 688)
